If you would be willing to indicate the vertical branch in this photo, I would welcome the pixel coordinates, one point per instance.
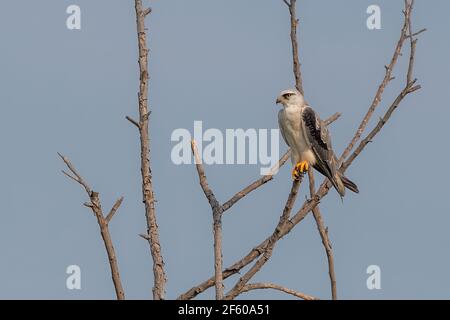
(316, 210)
(323, 231)
(146, 172)
(267, 252)
(217, 210)
(296, 63)
(103, 223)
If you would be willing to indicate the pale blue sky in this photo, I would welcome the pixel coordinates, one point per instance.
(222, 62)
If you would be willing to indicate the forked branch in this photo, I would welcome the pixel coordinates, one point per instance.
(103, 223)
(217, 221)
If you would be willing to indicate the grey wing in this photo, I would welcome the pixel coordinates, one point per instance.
(320, 142)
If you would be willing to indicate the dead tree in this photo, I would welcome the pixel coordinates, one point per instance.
(152, 235)
(260, 254)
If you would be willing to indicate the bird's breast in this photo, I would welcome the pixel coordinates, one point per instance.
(291, 120)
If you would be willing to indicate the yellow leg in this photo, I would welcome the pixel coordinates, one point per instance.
(299, 169)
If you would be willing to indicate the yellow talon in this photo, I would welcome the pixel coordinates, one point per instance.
(299, 169)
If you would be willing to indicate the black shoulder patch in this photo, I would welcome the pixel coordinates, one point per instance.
(312, 124)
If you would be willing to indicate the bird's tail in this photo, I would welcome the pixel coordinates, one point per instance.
(340, 182)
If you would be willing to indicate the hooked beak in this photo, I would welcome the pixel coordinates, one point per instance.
(278, 100)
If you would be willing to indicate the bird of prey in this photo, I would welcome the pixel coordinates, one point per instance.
(309, 140)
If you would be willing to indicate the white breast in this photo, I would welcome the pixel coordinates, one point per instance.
(290, 123)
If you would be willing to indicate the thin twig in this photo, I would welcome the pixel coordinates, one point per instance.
(77, 177)
(287, 3)
(268, 285)
(417, 33)
(159, 275)
(133, 121)
(256, 184)
(217, 222)
(114, 209)
(332, 119)
(95, 206)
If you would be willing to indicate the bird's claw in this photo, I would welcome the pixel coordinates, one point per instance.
(300, 169)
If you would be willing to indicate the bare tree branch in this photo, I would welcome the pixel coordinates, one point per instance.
(412, 46)
(417, 33)
(217, 222)
(268, 285)
(316, 210)
(333, 118)
(256, 184)
(323, 231)
(387, 78)
(147, 11)
(325, 186)
(95, 206)
(410, 87)
(114, 209)
(294, 42)
(146, 172)
(133, 121)
(237, 289)
(70, 176)
(76, 176)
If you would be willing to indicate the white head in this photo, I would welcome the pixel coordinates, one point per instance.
(291, 98)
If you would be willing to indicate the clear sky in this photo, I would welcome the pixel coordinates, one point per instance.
(224, 63)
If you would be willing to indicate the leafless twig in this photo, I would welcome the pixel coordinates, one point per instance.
(103, 223)
(114, 209)
(256, 184)
(133, 121)
(333, 118)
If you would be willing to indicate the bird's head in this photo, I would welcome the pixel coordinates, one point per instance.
(291, 97)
